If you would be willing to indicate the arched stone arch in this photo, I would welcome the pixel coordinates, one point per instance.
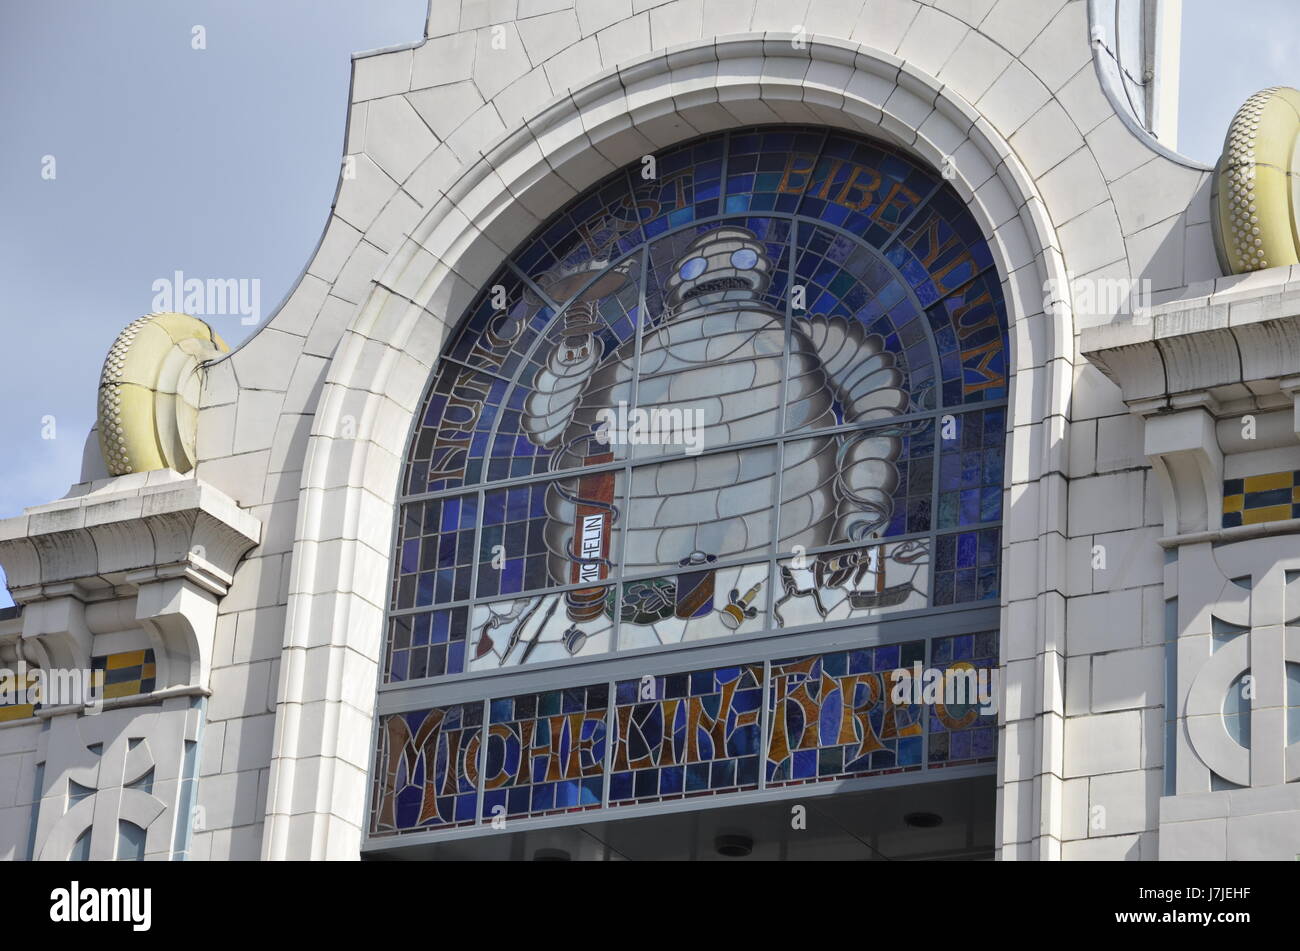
(340, 557)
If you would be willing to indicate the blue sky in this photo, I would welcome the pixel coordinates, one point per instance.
(222, 163)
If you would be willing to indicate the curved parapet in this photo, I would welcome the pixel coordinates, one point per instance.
(1254, 202)
(149, 393)
(1135, 50)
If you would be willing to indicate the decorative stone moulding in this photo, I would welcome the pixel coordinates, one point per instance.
(1200, 361)
(1257, 185)
(149, 550)
(149, 393)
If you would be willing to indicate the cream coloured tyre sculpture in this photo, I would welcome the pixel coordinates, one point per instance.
(149, 393)
(1257, 185)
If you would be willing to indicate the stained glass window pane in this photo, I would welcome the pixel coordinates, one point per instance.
(963, 720)
(757, 385)
(545, 752)
(426, 769)
(688, 733)
(835, 716)
(696, 603)
(577, 622)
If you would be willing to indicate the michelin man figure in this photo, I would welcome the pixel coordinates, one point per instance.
(715, 356)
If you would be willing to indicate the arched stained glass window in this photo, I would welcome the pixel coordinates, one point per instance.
(710, 460)
(754, 386)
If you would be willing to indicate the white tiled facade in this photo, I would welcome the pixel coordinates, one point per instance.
(461, 146)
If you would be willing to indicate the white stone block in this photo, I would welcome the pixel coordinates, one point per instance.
(354, 281)
(1083, 449)
(476, 134)
(1125, 679)
(1026, 454)
(397, 139)
(1020, 698)
(1153, 740)
(972, 12)
(295, 315)
(1078, 685)
(248, 744)
(1022, 513)
(1017, 811)
(383, 74)
(216, 432)
(1092, 239)
(624, 40)
(1084, 100)
(544, 36)
(1117, 848)
(1046, 139)
(241, 477)
(776, 16)
(255, 421)
(1094, 394)
(1016, 23)
(1062, 48)
(1132, 558)
(523, 99)
(259, 633)
(595, 15)
(1117, 150)
(931, 39)
(1200, 262)
(1074, 809)
(1073, 186)
(1119, 443)
(1022, 566)
(831, 17)
(675, 23)
(974, 65)
(266, 361)
(445, 59)
(336, 246)
(1102, 743)
(228, 799)
(479, 13)
(1019, 633)
(1158, 191)
(400, 216)
(1014, 96)
(1110, 621)
(533, 8)
(255, 584)
(362, 198)
(1202, 841)
(499, 59)
(882, 24)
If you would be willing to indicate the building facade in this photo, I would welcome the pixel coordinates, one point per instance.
(706, 428)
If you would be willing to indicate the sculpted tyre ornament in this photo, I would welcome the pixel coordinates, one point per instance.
(149, 393)
(1257, 185)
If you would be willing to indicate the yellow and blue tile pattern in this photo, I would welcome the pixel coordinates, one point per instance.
(126, 673)
(10, 709)
(1261, 498)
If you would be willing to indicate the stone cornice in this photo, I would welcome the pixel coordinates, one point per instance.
(1244, 332)
(108, 537)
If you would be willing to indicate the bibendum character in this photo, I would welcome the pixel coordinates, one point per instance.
(715, 355)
